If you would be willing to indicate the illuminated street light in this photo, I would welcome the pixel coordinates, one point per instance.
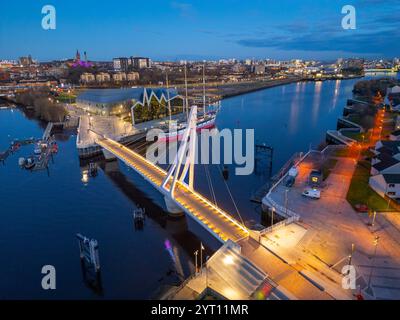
(390, 199)
(195, 260)
(228, 260)
(201, 256)
(272, 216)
(351, 254)
(286, 200)
(376, 241)
(207, 271)
(373, 219)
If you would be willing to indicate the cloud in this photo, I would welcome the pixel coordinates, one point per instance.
(377, 33)
(185, 10)
(378, 42)
(366, 3)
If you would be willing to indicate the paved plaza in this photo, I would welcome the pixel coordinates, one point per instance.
(321, 242)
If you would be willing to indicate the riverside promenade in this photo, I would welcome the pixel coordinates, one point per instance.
(320, 242)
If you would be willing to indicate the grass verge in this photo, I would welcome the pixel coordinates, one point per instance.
(361, 193)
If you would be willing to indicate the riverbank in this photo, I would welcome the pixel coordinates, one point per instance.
(219, 91)
(231, 90)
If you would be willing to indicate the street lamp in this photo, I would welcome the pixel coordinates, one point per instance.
(201, 256)
(376, 241)
(207, 272)
(286, 200)
(272, 216)
(351, 254)
(228, 260)
(373, 219)
(390, 199)
(195, 260)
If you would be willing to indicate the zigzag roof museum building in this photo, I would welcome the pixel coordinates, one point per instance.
(144, 103)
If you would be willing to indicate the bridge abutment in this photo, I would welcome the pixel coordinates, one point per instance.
(172, 208)
(108, 155)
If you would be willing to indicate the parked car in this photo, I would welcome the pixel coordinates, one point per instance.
(362, 208)
(312, 193)
(290, 181)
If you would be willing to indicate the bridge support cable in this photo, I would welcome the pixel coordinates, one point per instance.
(231, 196)
(186, 150)
(210, 185)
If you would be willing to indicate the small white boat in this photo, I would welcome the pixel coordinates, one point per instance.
(21, 162)
(38, 149)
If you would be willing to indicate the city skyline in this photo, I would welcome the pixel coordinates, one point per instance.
(255, 29)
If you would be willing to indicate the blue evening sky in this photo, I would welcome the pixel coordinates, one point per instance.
(200, 29)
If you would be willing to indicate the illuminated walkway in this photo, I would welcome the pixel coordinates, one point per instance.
(215, 220)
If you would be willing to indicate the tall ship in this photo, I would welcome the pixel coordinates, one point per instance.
(205, 120)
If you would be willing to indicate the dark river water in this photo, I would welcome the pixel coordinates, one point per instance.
(41, 212)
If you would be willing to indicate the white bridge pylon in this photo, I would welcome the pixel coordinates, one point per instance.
(187, 152)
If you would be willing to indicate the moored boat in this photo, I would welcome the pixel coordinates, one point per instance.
(205, 122)
(29, 163)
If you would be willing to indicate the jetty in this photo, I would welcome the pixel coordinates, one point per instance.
(264, 189)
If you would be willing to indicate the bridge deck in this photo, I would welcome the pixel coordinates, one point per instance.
(215, 219)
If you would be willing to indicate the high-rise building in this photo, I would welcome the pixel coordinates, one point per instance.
(141, 62)
(120, 64)
(26, 61)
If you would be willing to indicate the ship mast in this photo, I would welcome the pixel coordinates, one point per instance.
(204, 89)
(186, 109)
(169, 102)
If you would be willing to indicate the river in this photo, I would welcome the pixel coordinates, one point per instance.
(41, 212)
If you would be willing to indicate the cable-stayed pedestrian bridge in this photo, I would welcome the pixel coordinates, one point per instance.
(179, 195)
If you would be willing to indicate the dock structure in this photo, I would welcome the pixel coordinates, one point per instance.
(47, 132)
(25, 142)
(351, 102)
(263, 190)
(4, 155)
(336, 137)
(14, 147)
(139, 217)
(89, 251)
(44, 158)
(90, 126)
